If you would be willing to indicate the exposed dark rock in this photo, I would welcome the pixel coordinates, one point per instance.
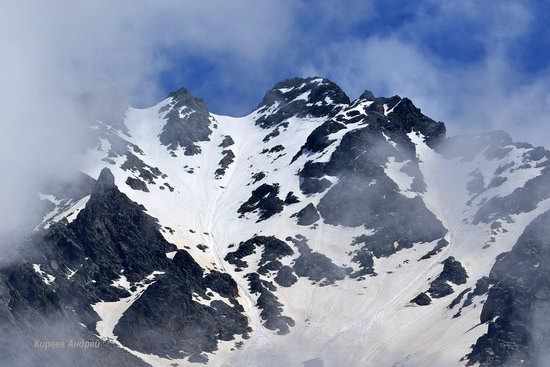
(441, 244)
(365, 259)
(367, 95)
(285, 276)
(227, 141)
(521, 200)
(197, 358)
(168, 186)
(137, 184)
(228, 158)
(365, 196)
(180, 315)
(275, 149)
(318, 97)
(272, 250)
(313, 169)
(496, 181)
(518, 304)
(105, 183)
(458, 298)
(275, 132)
(536, 154)
(318, 140)
(112, 236)
(406, 117)
(452, 272)
(192, 327)
(315, 266)
(422, 299)
(481, 288)
(272, 309)
(291, 198)
(258, 176)
(125, 238)
(308, 215)
(135, 165)
(476, 185)
(265, 200)
(311, 186)
(504, 167)
(187, 122)
(440, 288)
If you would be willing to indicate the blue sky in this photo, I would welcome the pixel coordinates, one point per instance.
(477, 65)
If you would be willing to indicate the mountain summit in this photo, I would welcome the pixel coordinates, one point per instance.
(315, 231)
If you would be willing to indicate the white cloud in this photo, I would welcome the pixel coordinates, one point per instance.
(55, 51)
(482, 95)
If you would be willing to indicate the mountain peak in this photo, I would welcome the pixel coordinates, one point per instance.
(300, 97)
(105, 182)
(304, 83)
(187, 122)
(309, 194)
(180, 92)
(367, 95)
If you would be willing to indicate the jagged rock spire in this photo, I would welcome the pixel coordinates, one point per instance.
(105, 182)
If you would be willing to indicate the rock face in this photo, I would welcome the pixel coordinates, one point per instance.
(263, 200)
(136, 184)
(453, 272)
(105, 183)
(315, 266)
(314, 230)
(422, 299)
(308, 215)
(228, 158)
(299, 97)
(187, 122)
(273, 250)
(193, 327)
(352, 203)
(112, 239)
(437, 249)
(518, 305)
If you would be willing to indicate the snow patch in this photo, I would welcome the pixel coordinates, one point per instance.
(394, 171)
(46, 278)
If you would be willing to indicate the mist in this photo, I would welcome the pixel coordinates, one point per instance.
(66, 64)
(69, 63)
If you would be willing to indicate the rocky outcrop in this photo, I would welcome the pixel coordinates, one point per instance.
(308, 215)
(73, 266)
(300, 97)
(518, 304)
(187, 122)
(264, 200)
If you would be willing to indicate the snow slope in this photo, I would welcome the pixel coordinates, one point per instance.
(366, 320)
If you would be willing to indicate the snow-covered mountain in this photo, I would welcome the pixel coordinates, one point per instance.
(315, 231)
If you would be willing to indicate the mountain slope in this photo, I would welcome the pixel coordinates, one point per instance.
(313, 230)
